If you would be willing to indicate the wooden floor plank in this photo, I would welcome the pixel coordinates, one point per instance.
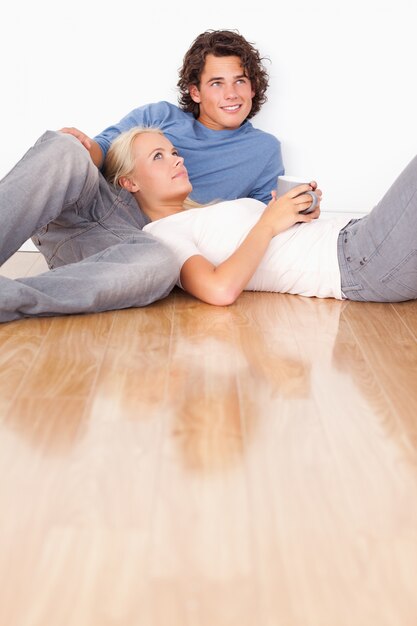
(407, 312)
(202, 553)
(390, 349)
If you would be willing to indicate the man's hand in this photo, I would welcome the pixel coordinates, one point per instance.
(82, 137)
(88, 143)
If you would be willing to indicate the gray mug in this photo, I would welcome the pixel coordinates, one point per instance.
(285, 183)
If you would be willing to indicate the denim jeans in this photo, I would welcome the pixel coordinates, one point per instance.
(88, 231)
(378, 253)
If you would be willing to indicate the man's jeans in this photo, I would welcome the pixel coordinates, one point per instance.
(88, 231)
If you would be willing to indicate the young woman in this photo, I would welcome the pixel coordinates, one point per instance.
(243, 244)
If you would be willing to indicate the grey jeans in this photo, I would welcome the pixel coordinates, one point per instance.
(88, 231)
(378, 253)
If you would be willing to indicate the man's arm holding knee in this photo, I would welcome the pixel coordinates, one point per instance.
(92, 146)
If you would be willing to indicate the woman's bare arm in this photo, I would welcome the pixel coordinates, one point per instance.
(223, 284)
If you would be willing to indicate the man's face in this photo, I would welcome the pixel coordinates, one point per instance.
(225, 93)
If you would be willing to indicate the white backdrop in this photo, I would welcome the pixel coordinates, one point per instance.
(342, 97)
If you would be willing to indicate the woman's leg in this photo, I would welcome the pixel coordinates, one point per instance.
(378, 253)
(132, 273)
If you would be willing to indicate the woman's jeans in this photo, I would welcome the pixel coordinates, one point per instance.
(378, 253)
(88, 231)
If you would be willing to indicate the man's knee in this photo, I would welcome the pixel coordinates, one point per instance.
(65, 150)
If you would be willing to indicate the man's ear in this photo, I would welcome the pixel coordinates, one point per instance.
(194, 93)
(128, 184)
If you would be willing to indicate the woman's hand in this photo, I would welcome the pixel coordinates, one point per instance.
(284, 212)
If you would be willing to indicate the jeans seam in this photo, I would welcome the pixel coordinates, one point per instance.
(114, 205)
(64, 241)
(376, 250)
(395, 270)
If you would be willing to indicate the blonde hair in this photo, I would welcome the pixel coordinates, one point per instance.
(120, 161)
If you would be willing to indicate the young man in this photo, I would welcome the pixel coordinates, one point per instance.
(222, 85)
(91, 233)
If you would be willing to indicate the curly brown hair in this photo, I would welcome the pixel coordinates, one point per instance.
(221, 43)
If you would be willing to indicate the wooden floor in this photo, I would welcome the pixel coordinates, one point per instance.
(188, 465)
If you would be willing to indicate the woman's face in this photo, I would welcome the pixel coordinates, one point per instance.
(159, 172)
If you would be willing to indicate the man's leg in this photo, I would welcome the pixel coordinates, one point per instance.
(133, 273)
(56, 173)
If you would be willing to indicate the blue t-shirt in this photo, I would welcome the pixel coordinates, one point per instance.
(221, 164)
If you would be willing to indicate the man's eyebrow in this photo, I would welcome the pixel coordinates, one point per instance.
(209, 80)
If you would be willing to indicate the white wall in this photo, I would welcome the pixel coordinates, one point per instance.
(342, 98)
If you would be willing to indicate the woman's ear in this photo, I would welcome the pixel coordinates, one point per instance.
(194, 93)
(128, 184)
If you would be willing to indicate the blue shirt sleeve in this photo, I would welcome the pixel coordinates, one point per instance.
(146, 115)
